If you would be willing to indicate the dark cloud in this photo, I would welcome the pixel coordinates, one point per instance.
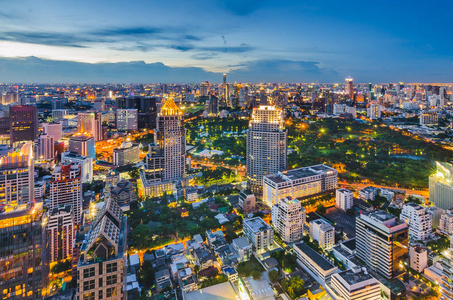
(131, 31)
(42, 38)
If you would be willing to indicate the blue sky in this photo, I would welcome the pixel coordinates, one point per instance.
(255, 41)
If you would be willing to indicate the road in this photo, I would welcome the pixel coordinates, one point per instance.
(240, 170)
(359, 186)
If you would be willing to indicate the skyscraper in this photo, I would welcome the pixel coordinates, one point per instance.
(349, 87)
(266, 145)
(24, 123)
(66, 189)
(53, 129)
(90, 122)
(204, 90)
(382, 243)
(60, 233)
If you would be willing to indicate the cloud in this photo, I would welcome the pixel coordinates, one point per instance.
(43, 38)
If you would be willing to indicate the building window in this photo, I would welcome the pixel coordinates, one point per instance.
(88, 285)
(111, 292)
(88, 273)
(111, 279)
(112, 267)
(88, 296)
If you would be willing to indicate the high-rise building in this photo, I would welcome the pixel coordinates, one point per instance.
(418, 256)
(382, 243)
(146, 107)
(24, 123)
(299, 183)
(53, 129)
(259, 234)
(66, 189)
(322, 232)
(441, 186)
(90, 122)
(419, 221)
(429, 118)
(103, 261)
(17, 175)
(344, 199)
(126, 119)
(23, 264)
(83, 144)
(204, 90)
(349, 87)
(46, 147)
(127, 154)
(60, 233)
(266, 146)
(374, 111)
(288, 217)
(85, 162)
(166, 158)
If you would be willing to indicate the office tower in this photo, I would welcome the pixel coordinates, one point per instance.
(428, 118)
(373, 111)
(127, 154)
(349, 87)
(66, 189)
(85, 163)
(322, 232)
(146, 107)
(165, 161)
(441, 186)
(382, 243)
(83, 144)
(90, 122)
(171, 138)
(266, 146)
(204, 90)
(46, 147)
(259, 234)
(344, 199)
(419, 221)
(24, 123)
(418, 256)
(60, 233)
(17, 175)
(126, 119)
(288, 217)
(299, 183)
(355, 284)
(123, 194)
(53, 129)
(23, 266)
(103, 261)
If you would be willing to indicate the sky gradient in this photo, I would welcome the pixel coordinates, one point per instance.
(255, 41)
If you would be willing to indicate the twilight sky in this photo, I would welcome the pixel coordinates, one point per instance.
(252, 40)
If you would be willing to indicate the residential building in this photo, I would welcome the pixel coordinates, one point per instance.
(23, 123)
(103, 258)
(355, 285)
(259, 234)
(299, 183)
(127, 154)
(85, 163)
(368, 193)
(66, 189)
(288, 218)
(323, 232)
(243, 248)
(83, 144)
(23, 265)
(382, 242)
(60, 233)
(46, 147)
(441, 186)
(247, 201)
(53, 129)
(373, 111)
(126, 119)
(17, 175)
(266, 145)
(344, 199)
(419, 221)
(428, 118)
(90, 122)
(446, 222)
(418, 256)
(123, 194)
(446, 284)
(315, 264)
(436, 214)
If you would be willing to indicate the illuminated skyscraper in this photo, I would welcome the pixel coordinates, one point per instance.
(91, 122)
(266, 145)
(349, 87)
(126, 119)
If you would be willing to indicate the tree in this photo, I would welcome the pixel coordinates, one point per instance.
(256, 274)
(273, 275)
(320, 209)
(146, 274)
(62, 266)
(134, 173)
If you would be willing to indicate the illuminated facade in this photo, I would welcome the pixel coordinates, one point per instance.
(91, 122)
(126, 119)
(441, 186)
(24, 123)
(83, 144)
(266, 146)
(46, 147)
(66, 189)
(127, 154)
(17, 176)
(288, 217)
(22, 264)
(349, 87)
(60, 233)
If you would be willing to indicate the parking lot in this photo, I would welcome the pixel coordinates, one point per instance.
(341, 218)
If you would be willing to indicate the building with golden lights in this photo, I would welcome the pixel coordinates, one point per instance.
(60, 230)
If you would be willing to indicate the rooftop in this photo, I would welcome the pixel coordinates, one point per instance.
(314, 256)
(221, 291)
(257, 224)
(352, 278)
(301, 173)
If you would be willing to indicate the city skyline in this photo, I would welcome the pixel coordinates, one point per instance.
(253, 41)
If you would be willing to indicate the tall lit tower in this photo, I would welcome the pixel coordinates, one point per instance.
(266, 145)
(171, 138)
(224, 79)
(349, 88)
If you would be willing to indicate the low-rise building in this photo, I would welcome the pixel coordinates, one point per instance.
(355, 284)
(247, 201)
(368, 193)
(243, 248)
(259, 234)
(127, 154)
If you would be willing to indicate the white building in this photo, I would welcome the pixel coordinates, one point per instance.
(299, 183)
(126, 119)
(288, 217)
(441, 186)
(259, 234)
(374, 111)
(243, 248)
(85, 162)
(355, 285)
(46, 147)
(368, 193)
(418, 258)
(419, 221)
(344, 199)
(322, 232)
(446, 222)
